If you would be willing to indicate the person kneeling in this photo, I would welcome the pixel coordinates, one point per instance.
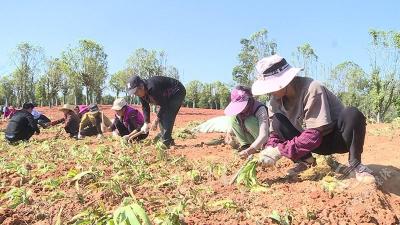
(127, 121)
(22, 125)
(93, 123)
(249, 120)
(308, 118)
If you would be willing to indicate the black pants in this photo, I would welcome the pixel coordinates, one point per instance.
(122, 130)
(347, 136)
(42, 120)
(89, 131)
(167, 115)
(23, 136)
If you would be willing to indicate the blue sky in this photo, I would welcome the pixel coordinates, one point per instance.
(201, 38)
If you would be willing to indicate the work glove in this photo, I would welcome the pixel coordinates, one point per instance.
(145, 128)
(126, 137)
(99, 136)
(269, 156)
(115, 133)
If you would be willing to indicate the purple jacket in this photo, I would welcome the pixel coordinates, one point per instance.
(132, 120)
(299, 146)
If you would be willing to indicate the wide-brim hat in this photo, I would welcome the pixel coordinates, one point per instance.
(274, 74)
(239, 100)
(118, 104)
(67, 107)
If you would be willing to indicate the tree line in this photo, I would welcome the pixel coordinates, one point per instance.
(374, 90)
(80, 75)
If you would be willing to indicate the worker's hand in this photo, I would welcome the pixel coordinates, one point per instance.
(125, 137)
(115, 133)
(100, 136)
(269, 156)
(247, 152)
(145, 128)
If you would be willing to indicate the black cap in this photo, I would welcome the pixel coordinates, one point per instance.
(28, 105)
(133, 82)
(93, 108)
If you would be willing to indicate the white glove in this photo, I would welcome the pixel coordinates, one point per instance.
(269, 156)
(115, 133)
(125, 137)
(99, 136)
(145, 128)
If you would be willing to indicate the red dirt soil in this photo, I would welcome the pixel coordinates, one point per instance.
(356, 204)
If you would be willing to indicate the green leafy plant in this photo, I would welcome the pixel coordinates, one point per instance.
(17, 196)
(161, 150)
(172, 216)
(285, 219)
(222, 204)
(130, 214)
(97, 216)
(248, 176)
(194, 175)
(329, 184)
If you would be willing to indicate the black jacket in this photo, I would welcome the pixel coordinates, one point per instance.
(160, 90)
(21, 123)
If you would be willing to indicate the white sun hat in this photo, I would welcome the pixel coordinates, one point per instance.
(274, 73)
(119, 103)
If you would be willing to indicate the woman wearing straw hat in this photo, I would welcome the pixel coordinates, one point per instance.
(127, 120)
(249, 119)
(305, 118)
(71, 120)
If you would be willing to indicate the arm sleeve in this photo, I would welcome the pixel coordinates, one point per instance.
(67, 121)
(98, 123)
(33, 124)
(301, 145)
(56, 122)
(132, 123)
(263, 121)
(146, 110)
(114, 124)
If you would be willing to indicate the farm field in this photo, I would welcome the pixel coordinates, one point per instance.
(57, 180)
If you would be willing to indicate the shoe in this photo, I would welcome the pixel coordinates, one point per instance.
(301, 166)
(364, 175)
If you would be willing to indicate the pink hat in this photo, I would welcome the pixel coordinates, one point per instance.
(274, 74)
(239, 100)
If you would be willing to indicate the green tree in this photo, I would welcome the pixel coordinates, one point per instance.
(206, 96)
(7, 94)
(54, 76)
(221, 95)
(87, 65)
(350, 83)
(253, 49)
(41, 91)
(193, 92)
(118, 82)
(28, 60)
(384, 81)
(307, 59)
(147, 63)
